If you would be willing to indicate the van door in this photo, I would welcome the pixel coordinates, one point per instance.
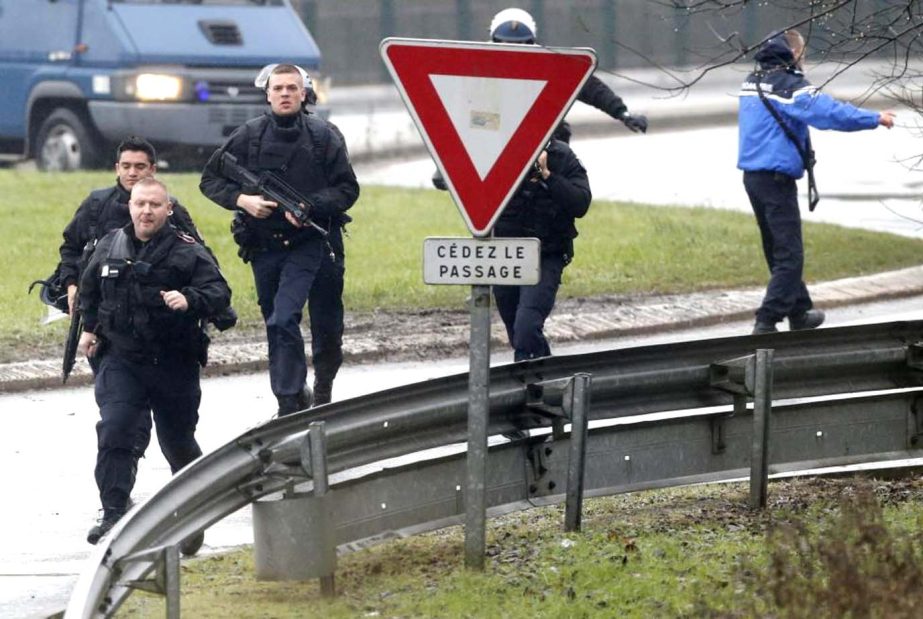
(25, 54)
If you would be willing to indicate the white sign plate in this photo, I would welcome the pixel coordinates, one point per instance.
(482, 262)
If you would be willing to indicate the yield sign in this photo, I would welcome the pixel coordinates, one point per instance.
(485, 111)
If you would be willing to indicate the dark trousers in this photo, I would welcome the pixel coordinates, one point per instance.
(774, 198)
(128, 392)
(524, 309)
(325, 310)
(143, 432)
(283, 282)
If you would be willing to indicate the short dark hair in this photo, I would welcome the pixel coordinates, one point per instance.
(283, 68)
(136, 143)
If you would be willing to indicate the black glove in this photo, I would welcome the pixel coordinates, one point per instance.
(225, 319)
(635, 123)
(439, 182)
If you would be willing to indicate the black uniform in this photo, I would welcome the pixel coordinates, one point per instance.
(545, 209)
(309, 154)
(149, 354)
(597, 94)
(102, 211)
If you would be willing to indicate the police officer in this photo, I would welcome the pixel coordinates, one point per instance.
(107, 209)
(545, 205)
(286, 256)
(514, 25)
(325, 301)
(517, 26)
(777, 104)
(144, 296)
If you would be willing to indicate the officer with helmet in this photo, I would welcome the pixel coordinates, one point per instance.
(287, 257)
(545, 205)
(517, 26)
(325, 301)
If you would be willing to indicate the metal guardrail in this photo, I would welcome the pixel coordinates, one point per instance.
(875, 372)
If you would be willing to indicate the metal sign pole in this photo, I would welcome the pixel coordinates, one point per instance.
(478, 412)
(493, 92)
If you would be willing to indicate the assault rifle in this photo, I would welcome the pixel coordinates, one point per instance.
(271, 187)
(70, 345)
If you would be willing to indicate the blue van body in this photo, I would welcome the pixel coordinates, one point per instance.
(78, 76)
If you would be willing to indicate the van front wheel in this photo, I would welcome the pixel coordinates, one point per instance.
(64, 143)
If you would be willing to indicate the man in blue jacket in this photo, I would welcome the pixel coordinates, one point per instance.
(777, 105)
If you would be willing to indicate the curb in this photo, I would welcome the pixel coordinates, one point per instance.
(571, 322)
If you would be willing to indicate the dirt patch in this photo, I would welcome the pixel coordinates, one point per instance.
(413, 335)
(398, 335)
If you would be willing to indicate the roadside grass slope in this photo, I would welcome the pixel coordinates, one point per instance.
(845, 547)
(623, 249)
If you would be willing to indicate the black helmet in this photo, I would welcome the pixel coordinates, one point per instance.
(513, 26)
(53, 292)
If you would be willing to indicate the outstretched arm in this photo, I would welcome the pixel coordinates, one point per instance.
(600, 96)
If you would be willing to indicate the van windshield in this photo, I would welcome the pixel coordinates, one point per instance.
(221, 2)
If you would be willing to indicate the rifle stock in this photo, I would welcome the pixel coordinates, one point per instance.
(270, 186)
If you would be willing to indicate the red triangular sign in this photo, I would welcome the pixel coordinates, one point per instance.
(485, 111)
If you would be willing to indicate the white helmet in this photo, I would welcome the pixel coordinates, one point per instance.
(262, 79)
(513, 26)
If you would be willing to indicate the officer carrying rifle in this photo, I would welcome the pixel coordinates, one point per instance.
(286, 175)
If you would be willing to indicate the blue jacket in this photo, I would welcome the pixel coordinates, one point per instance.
(762, 144)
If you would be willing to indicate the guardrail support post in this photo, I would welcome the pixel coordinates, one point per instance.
(171, 580)
(762, 407)
(166, 577)
(294, 538)
(317, 435)
(576, 406)
(478, 412)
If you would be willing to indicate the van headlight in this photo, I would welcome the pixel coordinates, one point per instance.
(150, 86)
(157, 87)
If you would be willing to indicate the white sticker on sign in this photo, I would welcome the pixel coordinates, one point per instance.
(486, 112)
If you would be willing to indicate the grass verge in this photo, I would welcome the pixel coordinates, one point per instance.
(823, 548)
(622, 249)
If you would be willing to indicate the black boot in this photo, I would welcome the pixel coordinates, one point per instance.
(192, 544)
(102, 527)
(764, 327)
(323, 391)
(289, 404)
(811, 319)
(305, 399)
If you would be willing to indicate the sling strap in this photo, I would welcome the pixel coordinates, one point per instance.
(805, 151)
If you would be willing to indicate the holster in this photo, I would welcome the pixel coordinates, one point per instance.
(245, 237)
